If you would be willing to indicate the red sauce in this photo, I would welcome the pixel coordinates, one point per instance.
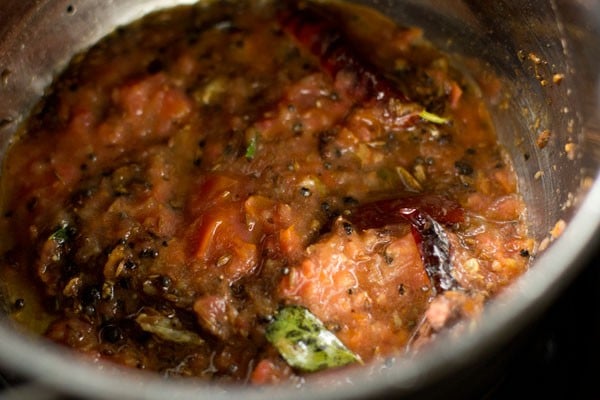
(197, 170)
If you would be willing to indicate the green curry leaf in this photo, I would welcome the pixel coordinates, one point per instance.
(305, 343)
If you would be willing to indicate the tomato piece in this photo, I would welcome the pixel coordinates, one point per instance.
(151, 106)
(361, 285)
(270, 372)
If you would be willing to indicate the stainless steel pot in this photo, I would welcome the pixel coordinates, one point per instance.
(545, 52)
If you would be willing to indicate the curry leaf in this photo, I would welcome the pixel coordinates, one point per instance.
(305, 343)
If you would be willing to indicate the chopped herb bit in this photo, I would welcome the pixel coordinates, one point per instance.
(251, 149)
(61, 235)
(433, 118)
(305, 343)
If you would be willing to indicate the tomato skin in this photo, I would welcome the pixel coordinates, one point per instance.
(380, 213)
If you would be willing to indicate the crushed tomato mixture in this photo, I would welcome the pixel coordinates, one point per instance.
(202, 175)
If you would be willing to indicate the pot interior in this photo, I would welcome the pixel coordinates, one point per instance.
(543, 53)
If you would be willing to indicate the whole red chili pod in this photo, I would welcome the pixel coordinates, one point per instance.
(425, 215)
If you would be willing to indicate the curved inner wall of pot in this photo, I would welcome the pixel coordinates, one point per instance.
(538, 114)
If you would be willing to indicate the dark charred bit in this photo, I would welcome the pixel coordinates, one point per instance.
(305, 192)
(148, 252)
(347, 228)
(238, 291)
(264, 319)
(164, 282)
(69, 269)
(463, 168)
(387, 258)
(5, 122)
(330, 212)
(325, 140)
(19, 304)
(350, 201)
(401, 289)
(111, 333)
(91, 295)
(298, 128)
(31, 204)
(155, 66)
(319, 34)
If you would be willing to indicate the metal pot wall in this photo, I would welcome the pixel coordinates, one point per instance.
(529, 44)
